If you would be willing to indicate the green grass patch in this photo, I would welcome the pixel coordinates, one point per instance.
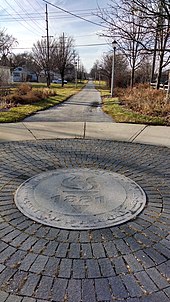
(102, 87)
(18, 113)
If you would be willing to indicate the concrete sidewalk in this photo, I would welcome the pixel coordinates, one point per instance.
(153, 135)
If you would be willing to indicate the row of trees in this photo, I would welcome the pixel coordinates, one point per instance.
(142, 30)
(57, 55)
(102, 70)
(61, 54)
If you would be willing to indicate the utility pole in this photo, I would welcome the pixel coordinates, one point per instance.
(78, 67)
(63, 57)
(75, 74)
(99, 78)
(75, 67)
(48, 49)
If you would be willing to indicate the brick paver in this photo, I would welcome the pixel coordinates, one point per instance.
(128, 263)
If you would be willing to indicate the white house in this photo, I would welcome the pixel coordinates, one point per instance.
(21, 74)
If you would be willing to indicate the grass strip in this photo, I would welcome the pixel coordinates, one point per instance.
(17, 114)
(120, 114)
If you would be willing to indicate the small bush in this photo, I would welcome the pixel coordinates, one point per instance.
(24, 88)
(24, 94)
(29, 98)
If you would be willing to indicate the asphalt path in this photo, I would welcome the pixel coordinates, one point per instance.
(85, 106)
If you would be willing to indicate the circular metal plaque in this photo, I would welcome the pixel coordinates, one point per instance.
(80, 198)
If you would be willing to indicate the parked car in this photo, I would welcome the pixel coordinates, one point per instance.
(58, 81)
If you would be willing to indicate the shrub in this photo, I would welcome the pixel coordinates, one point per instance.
(145, 100)
(29, 98)
(24, 94)
(24, 88)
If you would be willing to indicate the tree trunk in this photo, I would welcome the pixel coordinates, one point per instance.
(132, 77)
(168, 91)
(62, 79)
(160, 70)
(154, 60)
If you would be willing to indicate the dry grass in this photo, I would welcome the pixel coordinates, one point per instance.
(24, 94)
(145, 100)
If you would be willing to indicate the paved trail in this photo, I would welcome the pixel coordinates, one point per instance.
(82, 107)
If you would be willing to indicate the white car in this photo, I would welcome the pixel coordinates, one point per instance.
(59, 81)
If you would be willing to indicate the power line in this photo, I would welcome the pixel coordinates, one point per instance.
(34, 16)
(85, 45)
(39, 5)
(21, 17)
(32, 6)
(88, 35)
(70, 13)
(39, 16)
(19, 22)
(79, 45)
(28, 17)
(23, 9)
(52, 13)
(93, 44)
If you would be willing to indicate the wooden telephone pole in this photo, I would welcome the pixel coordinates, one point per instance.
(48, 49)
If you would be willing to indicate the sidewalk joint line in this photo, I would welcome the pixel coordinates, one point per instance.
(133, 137)
(84, 134)
(29, 131)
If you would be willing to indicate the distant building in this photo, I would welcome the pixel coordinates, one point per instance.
(32, 76)
(21, 74)
(5, 75)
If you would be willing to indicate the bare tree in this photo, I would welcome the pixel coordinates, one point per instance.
(95, 70)
(22, 59)
(104, 68)
(59, 57)
(125, 23)
(82, 72)
(157, 18)
(144, 71)
(39, 54)
(151, 8)
(6, 43)
(19, 59)
(63, 54)
(168, 90)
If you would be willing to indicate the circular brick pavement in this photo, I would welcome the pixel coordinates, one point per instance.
(129, 262)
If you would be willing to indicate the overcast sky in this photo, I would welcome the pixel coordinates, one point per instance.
(25, 20)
